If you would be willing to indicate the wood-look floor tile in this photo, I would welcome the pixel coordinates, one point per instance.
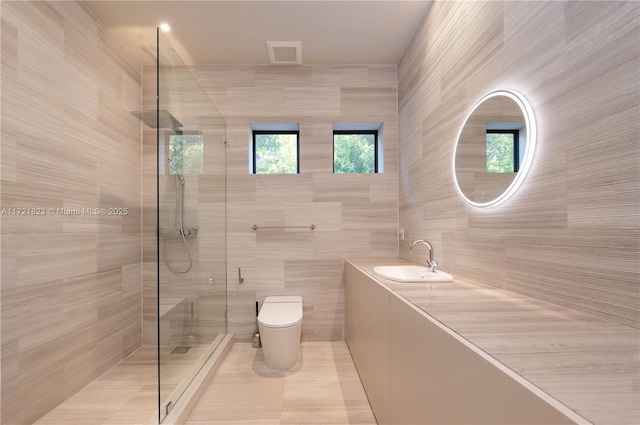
(322, 388)
(127, 394)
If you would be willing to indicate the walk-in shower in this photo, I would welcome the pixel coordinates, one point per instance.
(96, 328)
(184, 290)
(190, 240)
(184, 226)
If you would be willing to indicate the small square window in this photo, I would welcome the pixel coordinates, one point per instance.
(275, 152)
(185, 154)
(355, 151)
(502, 151)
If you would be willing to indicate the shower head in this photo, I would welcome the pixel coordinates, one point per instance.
(159, 119)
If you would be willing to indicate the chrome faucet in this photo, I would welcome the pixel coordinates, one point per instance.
(430, 262)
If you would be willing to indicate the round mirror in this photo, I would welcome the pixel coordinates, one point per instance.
(494, 149)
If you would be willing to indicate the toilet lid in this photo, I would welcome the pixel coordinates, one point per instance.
(280, 314)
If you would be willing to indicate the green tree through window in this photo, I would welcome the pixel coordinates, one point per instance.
(354, 152)
(185, 154)
(275, 153)
(500, 152)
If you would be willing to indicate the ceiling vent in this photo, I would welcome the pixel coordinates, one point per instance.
(285, 52)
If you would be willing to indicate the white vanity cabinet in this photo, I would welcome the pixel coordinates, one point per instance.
(417, 371)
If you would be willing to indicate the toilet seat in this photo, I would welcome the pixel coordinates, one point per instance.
(281, 312)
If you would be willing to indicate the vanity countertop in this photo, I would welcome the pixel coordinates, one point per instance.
(588, 364)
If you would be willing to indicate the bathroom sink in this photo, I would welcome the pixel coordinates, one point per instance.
(416, 274)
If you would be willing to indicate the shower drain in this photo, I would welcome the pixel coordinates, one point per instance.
(181, 349)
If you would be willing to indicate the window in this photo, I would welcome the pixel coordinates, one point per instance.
(502, 151)
(185, 154)
(275, 152)
(355, 151)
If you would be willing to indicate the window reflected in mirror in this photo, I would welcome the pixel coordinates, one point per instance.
(502, 151)
(494, 149)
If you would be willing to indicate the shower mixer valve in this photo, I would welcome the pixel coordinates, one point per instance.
(189, 232)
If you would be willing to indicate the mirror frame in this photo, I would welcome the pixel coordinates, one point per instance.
(525, 166)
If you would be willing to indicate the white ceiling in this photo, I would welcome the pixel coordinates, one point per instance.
(236, 32)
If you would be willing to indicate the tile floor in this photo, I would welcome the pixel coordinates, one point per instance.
(323, 388)
(126, 394)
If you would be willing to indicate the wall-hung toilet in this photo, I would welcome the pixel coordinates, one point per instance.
(280, 325)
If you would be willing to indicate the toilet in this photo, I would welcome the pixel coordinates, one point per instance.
(280, 325)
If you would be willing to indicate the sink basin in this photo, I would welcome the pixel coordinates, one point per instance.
(407, 274)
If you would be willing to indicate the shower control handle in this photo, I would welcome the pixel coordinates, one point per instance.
(189, 232)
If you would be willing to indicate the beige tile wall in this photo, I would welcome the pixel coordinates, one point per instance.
(71, 291)
(355, 215)
(571, 234)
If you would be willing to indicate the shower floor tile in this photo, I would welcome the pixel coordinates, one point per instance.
(323, 388)
(126, 394)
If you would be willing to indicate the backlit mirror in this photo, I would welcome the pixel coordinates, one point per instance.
(494, 149)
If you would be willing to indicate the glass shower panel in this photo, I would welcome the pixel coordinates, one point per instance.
(192, 226)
